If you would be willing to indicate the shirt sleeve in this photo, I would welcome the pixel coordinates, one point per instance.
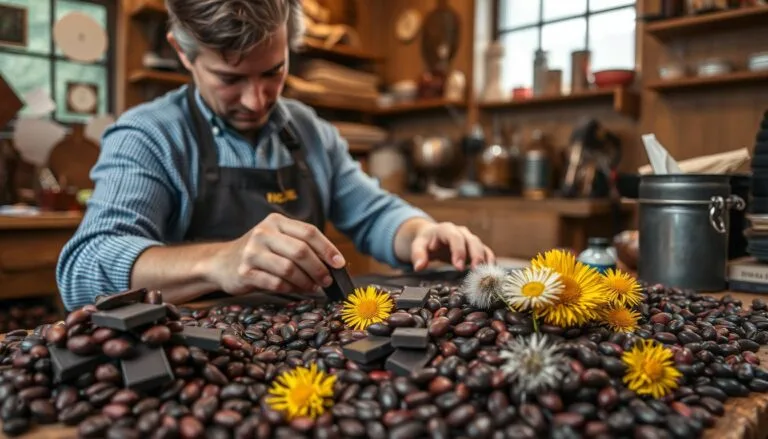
(127, 213)
(360, 208)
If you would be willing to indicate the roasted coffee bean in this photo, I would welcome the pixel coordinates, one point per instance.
(189, 427)
(94, 426)
(82, 345)
(156, 335)
(381, 329)
(15, 426)
(119, 348)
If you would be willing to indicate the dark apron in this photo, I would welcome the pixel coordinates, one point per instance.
(231, 201)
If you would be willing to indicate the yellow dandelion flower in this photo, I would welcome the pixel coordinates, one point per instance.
(302, 392)
(650, 369)
(366, 306)
(620, 318)
(532, 288)
(583, 292)
(622, 289)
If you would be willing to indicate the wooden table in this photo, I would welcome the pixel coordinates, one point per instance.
(29, 249)
(744, 418)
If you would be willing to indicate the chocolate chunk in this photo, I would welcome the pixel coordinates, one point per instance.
(208, 339)
(68, 365)
(368, 349)
(404, 361)
(121, 299)
(342, 285)
(412, 297)
(148, 370)
(410, 338)
(128, 317)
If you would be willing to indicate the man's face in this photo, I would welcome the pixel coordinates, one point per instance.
(242, 91)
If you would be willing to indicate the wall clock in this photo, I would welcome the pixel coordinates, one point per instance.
(82, 98)
(408, 25)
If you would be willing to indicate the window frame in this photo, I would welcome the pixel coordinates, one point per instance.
(539, 24)
(109, 62)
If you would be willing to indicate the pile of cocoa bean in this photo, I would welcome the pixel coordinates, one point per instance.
(461, 393)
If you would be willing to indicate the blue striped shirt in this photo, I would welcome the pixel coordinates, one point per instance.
(146, 182)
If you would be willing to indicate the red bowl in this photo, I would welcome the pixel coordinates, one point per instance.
(613, 78)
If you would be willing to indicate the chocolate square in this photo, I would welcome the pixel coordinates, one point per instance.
(128, 317)
(208, 339)
(67, 365)
(342, 285)
(417, 338)
(404, 361)
(148, 370)
(124, 298)
(368, 349)
(412, 297)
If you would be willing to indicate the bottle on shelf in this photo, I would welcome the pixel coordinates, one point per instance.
(537, 172)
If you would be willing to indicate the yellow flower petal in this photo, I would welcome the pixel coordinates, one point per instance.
(366, 306)
(650, 369)
(302, 392)
(622, 289)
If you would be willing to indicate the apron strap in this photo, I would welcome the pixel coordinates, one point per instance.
(209, 163)
(291, 141)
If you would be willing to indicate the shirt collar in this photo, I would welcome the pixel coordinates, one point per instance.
(277, 119)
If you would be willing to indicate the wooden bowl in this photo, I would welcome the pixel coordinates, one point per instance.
(613, 78)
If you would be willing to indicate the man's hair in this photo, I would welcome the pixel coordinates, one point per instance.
(232, 27)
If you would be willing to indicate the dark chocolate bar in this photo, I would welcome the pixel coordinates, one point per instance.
(129, 317)
(208, 339)
(368, 349)
(124, 298)
(342, 285)
(412, 297)
(416, 338)
(148, 370)
(404, 361)
(68, 365)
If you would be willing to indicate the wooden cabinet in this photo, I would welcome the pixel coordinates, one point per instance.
(29, 250)
(519, 228)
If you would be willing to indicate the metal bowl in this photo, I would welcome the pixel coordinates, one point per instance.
(433, 153)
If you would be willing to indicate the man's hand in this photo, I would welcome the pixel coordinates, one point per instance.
(449, 243)
(279, 254)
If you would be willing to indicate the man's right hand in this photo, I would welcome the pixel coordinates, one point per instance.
(279, 254)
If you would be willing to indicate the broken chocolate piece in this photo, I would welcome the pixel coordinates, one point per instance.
(368, 349)
(150, 369)
(207, 339)
(412, 297)
(342, 285)
(128, 317)
(417, 338)
(68, 365)
(118, 300)
(404, 361)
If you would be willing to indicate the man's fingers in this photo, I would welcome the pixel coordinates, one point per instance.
(419, 253)
(458, 244)
(301, 254)
(474, 246)
(490, 256)
(261, 280)
(315, 239)
(282, 268)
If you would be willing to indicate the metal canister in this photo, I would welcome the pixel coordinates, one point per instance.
(580, 70)
(684, 225)
(536, 174)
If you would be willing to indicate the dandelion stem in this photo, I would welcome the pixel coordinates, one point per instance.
(535, 321)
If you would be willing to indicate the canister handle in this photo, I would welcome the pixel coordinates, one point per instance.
(717, 207)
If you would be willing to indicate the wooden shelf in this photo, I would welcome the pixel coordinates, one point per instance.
(692, 83)
(705, 23)
(145, 8)
(339, 52)
(422, 105)
(158, 77)
(624, 101)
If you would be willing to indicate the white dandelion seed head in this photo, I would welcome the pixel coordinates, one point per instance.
(533, 364)
(483, 285)
(532, 288)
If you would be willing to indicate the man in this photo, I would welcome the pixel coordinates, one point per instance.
(223, 186)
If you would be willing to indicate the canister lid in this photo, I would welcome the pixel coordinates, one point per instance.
(598, 241)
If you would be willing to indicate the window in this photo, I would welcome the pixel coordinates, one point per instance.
(40, 64)
(559, 27)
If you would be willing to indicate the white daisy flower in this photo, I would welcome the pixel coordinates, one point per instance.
(532, 364)
(532, 288)
(483, 285)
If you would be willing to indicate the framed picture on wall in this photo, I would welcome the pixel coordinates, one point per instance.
(82, 98)
(13, 26)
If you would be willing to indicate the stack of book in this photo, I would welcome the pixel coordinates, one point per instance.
(748, 275)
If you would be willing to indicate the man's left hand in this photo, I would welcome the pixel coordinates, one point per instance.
(448, 242)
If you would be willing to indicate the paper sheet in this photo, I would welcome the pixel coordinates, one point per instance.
(35, 138)
(38, 103)
(661, 162)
